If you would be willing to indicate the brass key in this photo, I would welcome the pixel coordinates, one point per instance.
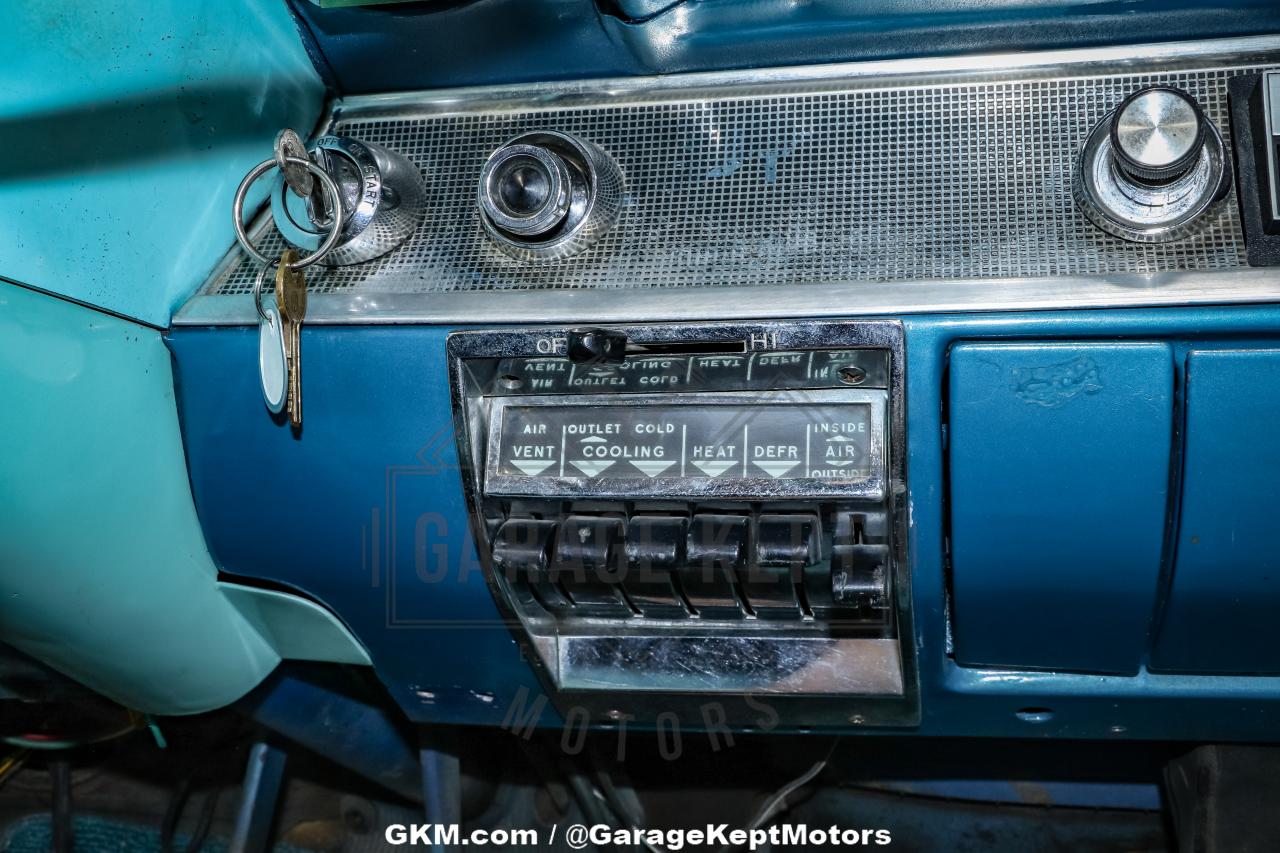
(291, 296)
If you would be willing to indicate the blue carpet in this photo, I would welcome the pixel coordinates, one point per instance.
(34, 834)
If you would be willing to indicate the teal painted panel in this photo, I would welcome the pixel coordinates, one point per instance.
(104, 572)
(296, 628)
(128, 126)
(1059, 486)
(1221, 613)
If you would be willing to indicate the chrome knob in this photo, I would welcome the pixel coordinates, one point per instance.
(1157, 134)
(525, 189)
(547, 195)
(1154, 169)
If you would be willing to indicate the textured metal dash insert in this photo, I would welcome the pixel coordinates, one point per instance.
(928, 182)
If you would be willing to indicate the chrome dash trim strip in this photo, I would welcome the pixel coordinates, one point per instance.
(884, 74)
(896, 258)
(1247, 285)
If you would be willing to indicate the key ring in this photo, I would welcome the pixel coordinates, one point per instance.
(259, 283)
(331, 190)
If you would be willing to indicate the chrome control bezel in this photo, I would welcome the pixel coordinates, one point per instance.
(802, 671)
(382, 208)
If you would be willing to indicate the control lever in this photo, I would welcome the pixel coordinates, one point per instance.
(587, 554)
(521, 553)
(860, 561)
(597, 346)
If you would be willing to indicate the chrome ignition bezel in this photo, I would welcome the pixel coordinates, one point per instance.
(379, 213)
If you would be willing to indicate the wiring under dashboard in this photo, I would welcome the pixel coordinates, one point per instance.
(136, 721)
(602, 798)
(11, 764)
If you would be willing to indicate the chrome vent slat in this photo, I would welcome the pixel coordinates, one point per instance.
(949, 181)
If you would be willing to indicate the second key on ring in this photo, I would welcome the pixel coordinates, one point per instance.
(291, 296)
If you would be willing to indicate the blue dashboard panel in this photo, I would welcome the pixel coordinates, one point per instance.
(365, 513)
(428, 45)
(1221, 613)
(1044, 572)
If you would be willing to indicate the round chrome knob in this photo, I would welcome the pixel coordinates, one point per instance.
(525, 189)
(1154, 169)
(546, 195)
(1157, 134)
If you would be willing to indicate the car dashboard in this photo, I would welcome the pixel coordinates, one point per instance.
(856, 391)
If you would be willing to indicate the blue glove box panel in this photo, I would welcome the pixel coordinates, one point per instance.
(1221, 613)
(1059, 457)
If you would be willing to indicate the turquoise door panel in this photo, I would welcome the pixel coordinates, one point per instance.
(1059, 484)
(128, 125)
(104, 573)
(1222, 613)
